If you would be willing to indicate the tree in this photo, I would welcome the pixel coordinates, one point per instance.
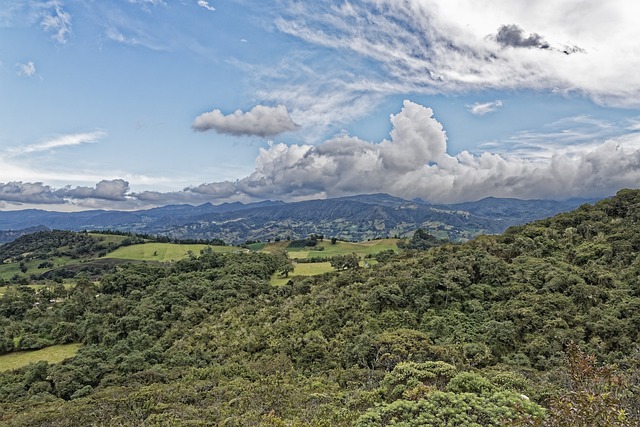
(287, 268)
(594, 397)
(345, 262)
(421, 240)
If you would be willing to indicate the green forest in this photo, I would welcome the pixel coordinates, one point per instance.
(538, 326)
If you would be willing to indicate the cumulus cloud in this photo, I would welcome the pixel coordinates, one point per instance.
(56, 21)
(413, 162)
(260, 121)
(480, 109)
(28, 69)
(205, 4)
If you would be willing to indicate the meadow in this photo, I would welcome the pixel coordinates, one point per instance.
(325, 248)
(164, 252)
(303, 269)
(53, 354)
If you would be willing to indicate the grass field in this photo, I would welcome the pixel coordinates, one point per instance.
(163, 252)
(7, 271)
(53, 354)
(303, 269)
(339, 248)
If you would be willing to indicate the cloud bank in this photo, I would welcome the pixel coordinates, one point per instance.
(39, 193)
(413, 162)
(262, 121)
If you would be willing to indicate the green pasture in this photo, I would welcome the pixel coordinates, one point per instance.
(163, 252)
(303, 269)
(339, 248)
(10, 269)
(53, 354)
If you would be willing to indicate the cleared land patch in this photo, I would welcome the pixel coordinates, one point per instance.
(326, 249)
(303, 269)
(164, 252)
(53, 354)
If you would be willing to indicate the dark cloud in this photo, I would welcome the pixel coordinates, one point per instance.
(28, 192)
(514, 36)
(261, 121)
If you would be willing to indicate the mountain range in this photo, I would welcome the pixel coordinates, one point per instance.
(354, 218)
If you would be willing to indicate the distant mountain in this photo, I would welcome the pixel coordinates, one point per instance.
(357, 217)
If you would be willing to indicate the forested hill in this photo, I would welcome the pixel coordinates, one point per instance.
(537, 326)
(11, 235)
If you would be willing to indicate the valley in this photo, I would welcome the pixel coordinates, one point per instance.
(450, 333)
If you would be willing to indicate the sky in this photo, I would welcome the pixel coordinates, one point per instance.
(131, 104)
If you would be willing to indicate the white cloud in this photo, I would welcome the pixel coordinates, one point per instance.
(139, 38)
(480, 109)
(205, 4)
(147, 2)
(260, 121)
(115, 35)
(28, 69)
(413, 162)
(56, 21)
(61, 141)
(567, 136)
(22, 163)
(387, 47)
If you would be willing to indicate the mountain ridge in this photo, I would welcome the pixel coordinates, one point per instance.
(356, 217)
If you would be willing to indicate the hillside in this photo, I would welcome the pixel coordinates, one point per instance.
(455, 335)
(355, 218)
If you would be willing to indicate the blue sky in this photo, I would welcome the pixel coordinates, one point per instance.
(129, 104)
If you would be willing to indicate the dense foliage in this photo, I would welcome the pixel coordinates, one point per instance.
(44, 244)
(532, 327)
